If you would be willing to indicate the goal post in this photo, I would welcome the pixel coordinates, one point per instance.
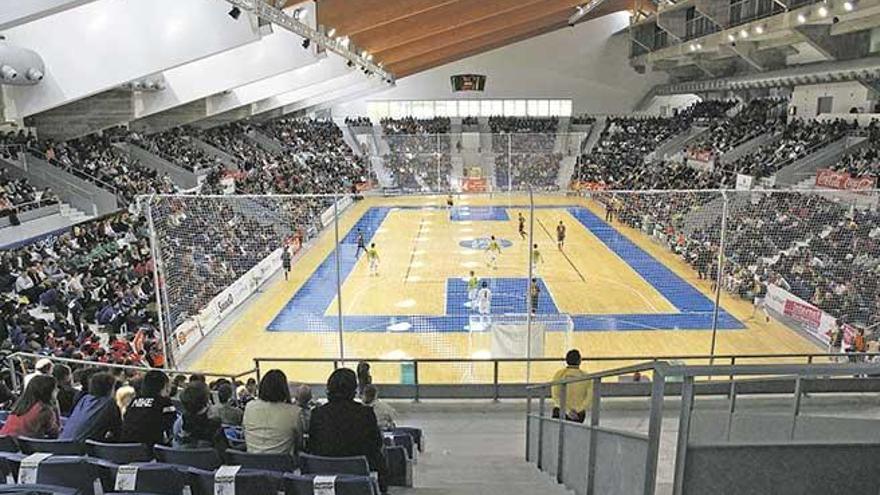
(521, 336)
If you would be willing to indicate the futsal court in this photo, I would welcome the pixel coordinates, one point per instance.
(609, 291)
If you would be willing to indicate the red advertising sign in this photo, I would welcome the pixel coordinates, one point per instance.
(803, 313)
(830, 179)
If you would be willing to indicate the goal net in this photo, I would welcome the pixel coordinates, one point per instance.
(518, 336)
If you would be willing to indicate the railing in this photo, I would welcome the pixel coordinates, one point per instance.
(498, 388)
(29, 205)
(74, 171)
(607, 460)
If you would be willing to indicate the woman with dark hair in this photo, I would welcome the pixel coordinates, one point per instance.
(271, 422)
(35, 414)
(363, 377)
(343, 427)
(194, 429)
(151, 414)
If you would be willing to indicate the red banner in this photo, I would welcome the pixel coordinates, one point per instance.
(830, 179)
(701, 155)
(471, 184)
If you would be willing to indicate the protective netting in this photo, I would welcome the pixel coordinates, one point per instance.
(434, 276)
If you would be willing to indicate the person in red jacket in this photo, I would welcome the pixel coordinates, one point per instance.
(35, 414)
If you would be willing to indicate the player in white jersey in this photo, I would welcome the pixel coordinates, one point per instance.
(537, 258)
(473, 286)
(484, 302)
(493, 251)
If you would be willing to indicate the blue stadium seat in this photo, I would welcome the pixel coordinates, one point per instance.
(152, 477)
(37, 490)
(315, 464)
(303, 484)
(7, 444)
(44, 445)
(247, 481)
(75, 472)
(400, 440)
(120, 453)
(399, 466)
(197, 458)
(282, 463)
(415, 433)
(4, 415)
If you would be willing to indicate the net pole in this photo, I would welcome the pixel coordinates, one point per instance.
(338, 278)
(718, 276)
(154, 252)
(529, 290)
(510, 170)
(437, 155)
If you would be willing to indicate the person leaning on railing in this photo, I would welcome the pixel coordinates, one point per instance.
(578, 396)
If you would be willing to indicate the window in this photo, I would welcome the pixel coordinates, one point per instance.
(532, 107)
(426, 109)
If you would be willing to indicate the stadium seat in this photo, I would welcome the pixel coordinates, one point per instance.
(399, 466)
(315, 464)
(304, 484)
(7, 444)
(4, 415)
(29, 489)
(415, 433)
(58, 447)
(75, 472)
(152, 477)
(197, 458)
(119, 453)
(247, 481)
(400, 440)
(283, 463)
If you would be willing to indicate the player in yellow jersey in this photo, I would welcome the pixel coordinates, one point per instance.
(493, 252)
(473, 285)
(537, 257)
(373, 258)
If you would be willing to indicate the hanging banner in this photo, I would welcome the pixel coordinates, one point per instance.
(744, 182)
(830, 179)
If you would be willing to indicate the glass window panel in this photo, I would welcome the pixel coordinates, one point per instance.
(543, 108)
(520, 110)
(451, 108)
(475, 107)
(497, 107)
(532, 107)
(463, 108)
(485, 108)
(553, 107)
(565, 108)
(509, 108)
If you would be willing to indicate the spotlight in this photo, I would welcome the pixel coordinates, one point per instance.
(235, 13)
(731, 38)
(306, 42)
(344, 42)
(823, 11)
(331, 32)
(801, 18)
(8, 73)
(693, 47)
(364, 54)
(849, 6)
(743, 34)
(370, 57)
(759, 29)
(298, 14)
(34, 74)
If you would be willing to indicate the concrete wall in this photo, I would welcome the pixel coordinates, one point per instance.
(846, 96)
(80, 193)
(585, 64)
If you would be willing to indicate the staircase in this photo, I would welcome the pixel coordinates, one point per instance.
(595, 134)
(675, 144)
(566, 171)
(72, 214)
(807, 166)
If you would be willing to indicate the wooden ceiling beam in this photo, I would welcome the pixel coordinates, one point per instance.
(457, 34)
(350, 18)
(456, 16)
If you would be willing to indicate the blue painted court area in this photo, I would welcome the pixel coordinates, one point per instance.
(479, 214)
(508, 296)
(305, 310)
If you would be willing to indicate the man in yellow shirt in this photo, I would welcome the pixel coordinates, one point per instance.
(578, 396)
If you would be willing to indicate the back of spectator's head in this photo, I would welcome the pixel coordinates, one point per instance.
(371, 393)
(153, 384)
(197, 377)
(195, 397)
(303, 395)
(342, 385)
(62, 374)
(573, 357)
(273, 387)
(44, 366)
(41, 388)
(224, 392)
(124, 396)
(102, 384)
(363, 373)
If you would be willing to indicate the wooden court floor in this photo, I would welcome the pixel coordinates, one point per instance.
(421, 249)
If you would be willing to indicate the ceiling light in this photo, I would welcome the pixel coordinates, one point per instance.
(235, 12)
(300, 13)
(731, 38)
(848, 6)
(331, 32)
(743, 34)
(364, 54)
(759, 29)
(693, 47)
(370, 57)
(344, 41)
(801, 18)
(823, 11)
